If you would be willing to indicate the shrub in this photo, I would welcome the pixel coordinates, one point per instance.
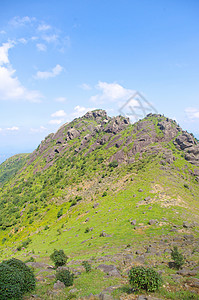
(144, 278)
(60, 213)
(73, 202)
(15, 279)
(59, 258)
(86, 265)
(113, 164)
(104, 194)
(177, 257)
(86, 230)
(65, 276)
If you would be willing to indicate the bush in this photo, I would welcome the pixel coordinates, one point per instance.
(104, 194)
(59, 258)
(113, 164)
(60, 213)
(177, 257)
(65, 276)
(86, 265)
(144, 278)
(15, 279)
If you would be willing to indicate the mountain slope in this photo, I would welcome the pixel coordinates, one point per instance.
(11, 166)
(83, 186)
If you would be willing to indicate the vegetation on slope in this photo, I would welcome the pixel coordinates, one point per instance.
(84, 187)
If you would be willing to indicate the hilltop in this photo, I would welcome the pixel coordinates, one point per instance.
(102, 189)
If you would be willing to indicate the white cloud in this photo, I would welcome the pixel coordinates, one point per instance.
(50, 38)
(14, 128)
(17, 21)
(192, 113)
(40, 129)
(41, 47)
(85, 86)
(112, 92)
(2, 32)
(23, 41)
(59, 113)
(49, 74)
(4, 52)
(10, 86)
(43, 27)
(56, 121)
(60, 99)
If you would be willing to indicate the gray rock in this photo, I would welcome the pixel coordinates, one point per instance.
(103, 296)
(194, 282)
(73, 291)
(133, 222)
(152, 222)
(110, 270)
(187, 272)
(59, 285)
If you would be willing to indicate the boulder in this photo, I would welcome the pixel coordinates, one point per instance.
(110, 270)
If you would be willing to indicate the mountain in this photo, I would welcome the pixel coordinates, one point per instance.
(101, 186)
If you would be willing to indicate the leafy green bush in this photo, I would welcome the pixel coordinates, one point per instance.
(86, 230)
(73, 202)
(15, 279)
(86, 265)
(59, 258)
(144, 278)
(113, 164)
(65, 276)
(177, 257)
(60, 213)
(104, 194)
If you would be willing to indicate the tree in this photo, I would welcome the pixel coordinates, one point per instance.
(59, 258)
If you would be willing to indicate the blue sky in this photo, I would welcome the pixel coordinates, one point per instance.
(59, 59)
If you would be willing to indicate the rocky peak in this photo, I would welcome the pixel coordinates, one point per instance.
(98, 115)
(188, 144)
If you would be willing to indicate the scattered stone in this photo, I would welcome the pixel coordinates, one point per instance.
(73, 291)
(110, 270)
(95, 205)
(187, 272)
(147, 198)
(133, 222)
(87, 219)
(140, 190)
(104, 234)
(194, 282)
(58, 285)
(152, 222)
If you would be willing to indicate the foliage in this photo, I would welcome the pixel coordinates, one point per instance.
(144, 278)
(86, 265)
(15, 279)
(113, 164)
(59, 258)
(177, 257)
(104, 194)
(65, 276)
(60, 213)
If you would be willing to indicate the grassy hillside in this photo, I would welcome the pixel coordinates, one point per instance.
(83, 186)
(11, 166)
